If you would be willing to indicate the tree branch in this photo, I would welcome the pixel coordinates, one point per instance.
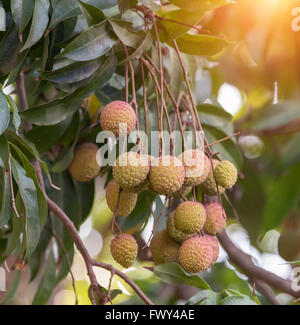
(255, 273)
(89, 261)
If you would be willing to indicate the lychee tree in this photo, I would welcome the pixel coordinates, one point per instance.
(70, 70)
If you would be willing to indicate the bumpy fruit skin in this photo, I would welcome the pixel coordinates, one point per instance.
(209, 186)
(225, 174)
(124, 249)
(84, 166)
(190, 217)
(115, 113)
(166, 175)
(174, 233)
(215, 218)
(163, 248)
(197, 167)
(212, 241)
(127, 200)
(131, 170)
(195, 254)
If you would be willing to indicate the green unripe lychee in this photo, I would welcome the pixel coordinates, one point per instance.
(127, 200)
(226, 174)
(166, 175)
(209, 186)
(173, 232)
(124, 249)
(252, 146)
(84, 166)
(195, 254)
(163, 248)
(115, 113)
(131, 170)
(289, 244)
(189, 217)
(215, 218)
(212, 241)
(197, 166)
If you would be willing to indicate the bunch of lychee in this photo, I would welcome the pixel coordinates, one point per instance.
(189, 237)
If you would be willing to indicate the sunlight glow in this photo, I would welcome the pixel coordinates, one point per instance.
(230, 98)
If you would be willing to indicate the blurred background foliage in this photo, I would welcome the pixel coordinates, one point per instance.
(245, 76)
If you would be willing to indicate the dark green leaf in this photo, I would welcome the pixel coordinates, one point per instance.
(125, 5)
(29, 196)
(6, 211)
(60, 109)
(72, 73)
(92, 14)
(63, 10)
(47, 283)
(282, 197)
(91, 44)
(39, 23)
(30, 171)
(4, 112)
(22, 12)
(15, 111)
(174, 273)
(4, 152)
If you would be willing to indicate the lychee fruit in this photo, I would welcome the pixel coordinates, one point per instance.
(225, 174)
(173, 232)
(131, 170)
(189, 217)
(215, 218)
(163, 248)
(197, 166)
(84, 166)
(127, 200)
(124, 249)
(115, 113)
(215, 246)
(166, 175)
(195, 254)
(209, 186)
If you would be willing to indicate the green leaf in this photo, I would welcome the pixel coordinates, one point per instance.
(202, 45)
(174, 273)
(282, 197)
(47, 283)
(92, 14)
(14, 74)
(216, 116)
(39, 23)
(4, 152)
(228, 149)
(202, 6)
(91, 44)
(175, 25)
(6, 211)
(125, 5)
(237, 300)
(29, 196)
(276, 115)
(67, 155)
(30, 171)
(63, 10)
(144, 46)
(22, 11)
(291, 151)
(123, 29)
(15, 111)
(72, 73)
(4, 112)
(12, 289)
(205, 297)
(44, 137)
(60, 109)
